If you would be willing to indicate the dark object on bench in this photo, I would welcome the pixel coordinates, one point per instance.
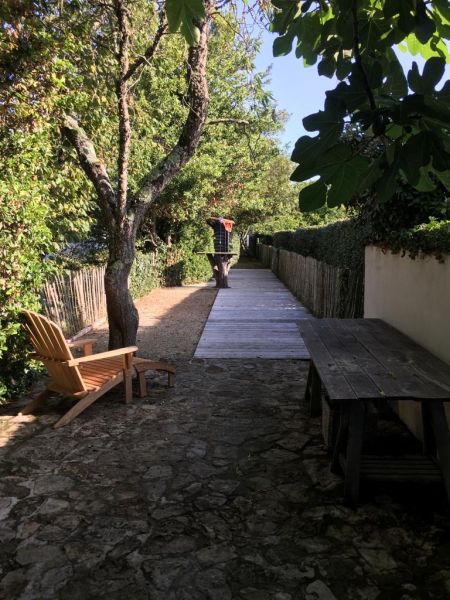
(363, 361)
(220, 259)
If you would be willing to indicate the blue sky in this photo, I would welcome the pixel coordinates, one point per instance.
(300, 90)
(297, 89)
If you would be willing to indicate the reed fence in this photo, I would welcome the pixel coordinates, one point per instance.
(75, 300)
(326, 290)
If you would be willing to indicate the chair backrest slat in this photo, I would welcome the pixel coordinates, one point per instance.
(51, 347)
(49, 337)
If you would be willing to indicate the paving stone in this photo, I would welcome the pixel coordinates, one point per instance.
(195, 494)
(378, 559)
(6, 506)
(216, 554)
(319, 591)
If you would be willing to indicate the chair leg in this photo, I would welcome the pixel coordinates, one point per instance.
(79, 407)
(171, 378)
(87, 400)
(128, 386)
(35, 402)
(142, 385)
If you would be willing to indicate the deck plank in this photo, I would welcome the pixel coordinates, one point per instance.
(256, 318)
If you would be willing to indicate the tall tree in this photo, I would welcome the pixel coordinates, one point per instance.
(123, 211)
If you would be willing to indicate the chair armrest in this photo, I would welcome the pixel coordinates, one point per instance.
(85, 344)
(102, 355)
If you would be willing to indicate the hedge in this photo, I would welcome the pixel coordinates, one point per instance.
(340, 244)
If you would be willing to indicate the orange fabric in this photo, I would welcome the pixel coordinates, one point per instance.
(227, 224)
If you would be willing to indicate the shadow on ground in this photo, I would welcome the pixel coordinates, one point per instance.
(217, 489)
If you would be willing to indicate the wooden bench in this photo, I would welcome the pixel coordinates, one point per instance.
(362, 361)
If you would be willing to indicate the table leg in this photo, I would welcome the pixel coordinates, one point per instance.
(313, 393)
(429, 441)
(442, 437)
(354, 449)
(341, 439)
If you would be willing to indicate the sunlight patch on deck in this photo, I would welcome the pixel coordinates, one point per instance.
(256, 318)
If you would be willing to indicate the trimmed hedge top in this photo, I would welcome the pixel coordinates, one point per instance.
(342, 243)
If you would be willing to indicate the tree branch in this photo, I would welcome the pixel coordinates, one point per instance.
(149, 54)
(227, 121)
(154, 183)
(123, 101)
(358, 58)
(91, 165)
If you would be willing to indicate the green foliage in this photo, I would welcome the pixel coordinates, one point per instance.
(234, 170)
(192, 267)
(427, 238)
(354, 41)
(182, 15)
(340, 244)
(25, 238)
(63, 61)
(148, 272)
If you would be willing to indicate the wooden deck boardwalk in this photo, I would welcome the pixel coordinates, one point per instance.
(256, 318)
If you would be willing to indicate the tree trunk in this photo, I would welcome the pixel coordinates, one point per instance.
(123, 316)
(220, 264)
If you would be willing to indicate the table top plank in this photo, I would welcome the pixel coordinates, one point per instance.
(347, 359)
(384, 379)
(424, 362)
(336, 384)
(400, 355)
(368, 359)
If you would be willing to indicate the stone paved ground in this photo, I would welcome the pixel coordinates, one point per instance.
(217, 489)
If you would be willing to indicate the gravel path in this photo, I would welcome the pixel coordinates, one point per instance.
(171, 321)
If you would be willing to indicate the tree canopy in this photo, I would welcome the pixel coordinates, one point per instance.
(357, 41)
(59, 67)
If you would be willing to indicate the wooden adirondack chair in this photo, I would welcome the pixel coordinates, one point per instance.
(86, 378)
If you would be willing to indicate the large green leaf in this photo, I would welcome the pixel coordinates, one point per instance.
(425, 27)
(432, 73)
(313, 196)
(283, 45)
(344, 180)
(392, 8)
(182, 15)
(396, 84)
(353, 96)
(388, 183)
(424, 183)
(444, 177)
(315, 163)
(414, 155)
(327, 67)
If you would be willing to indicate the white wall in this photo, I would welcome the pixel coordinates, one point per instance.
(414, 297)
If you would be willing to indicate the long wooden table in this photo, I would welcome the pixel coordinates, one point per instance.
(358, 361)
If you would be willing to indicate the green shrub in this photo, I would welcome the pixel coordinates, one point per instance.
(24, 241)
(340, 244)
(147, 272)
(428, 238)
